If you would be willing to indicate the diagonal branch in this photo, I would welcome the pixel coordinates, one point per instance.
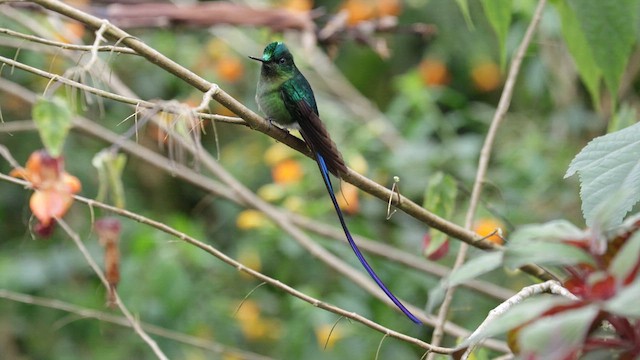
(258, 123)
(122, 321)
(241, 267)
(132, 320)
(485, 154)
(255, 121)
(189, 175)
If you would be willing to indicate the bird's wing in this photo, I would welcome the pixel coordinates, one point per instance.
(312, 128)
(329, 159)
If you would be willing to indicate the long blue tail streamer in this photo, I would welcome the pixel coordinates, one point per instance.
(352, 243)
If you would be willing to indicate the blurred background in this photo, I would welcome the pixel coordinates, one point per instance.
(408, 100)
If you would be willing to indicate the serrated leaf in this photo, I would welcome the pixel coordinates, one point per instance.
(625, 303)
(608, 165)
(52, 117)
(544, 253)
(626, 258)
(609, 27)
(580, 51)
(499, 15)
(556, 230)
(440, 198)
(519, 314)
(470, 270)
(556, 336)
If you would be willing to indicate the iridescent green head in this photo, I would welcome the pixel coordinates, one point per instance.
(276, 60)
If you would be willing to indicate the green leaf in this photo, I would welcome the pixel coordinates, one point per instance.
(464, 8)
(471, 269)
(626, 258)
(556, 336)
(440, 198)
(519, 314)
(52, 117)
(556, 230)
(544, 253)
(545, 244)
(625, 303)
(110, 167)
(609, 28)
(624, 117)
(440, 195)
(475, 267)
(580, 51)
(499, 15)
(609, 165)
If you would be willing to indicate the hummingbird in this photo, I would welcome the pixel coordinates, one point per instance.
(286, 98)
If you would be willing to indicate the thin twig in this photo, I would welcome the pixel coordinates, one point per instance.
(132, 320)
(370, 246)
(210, 185)
(122, 321)
(354, 178)
(66, 46)
(241, 267)
(108, 94)
(551, 286)
(260, 124)
(483, 162)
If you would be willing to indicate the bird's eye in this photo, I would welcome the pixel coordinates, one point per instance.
(282, 61)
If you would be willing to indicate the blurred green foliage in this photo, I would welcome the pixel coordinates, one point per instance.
(171, 284)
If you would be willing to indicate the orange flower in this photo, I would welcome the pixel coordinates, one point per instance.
(287, 171)
(493, 227)
(359, 10)
(434, 72)
(486, 76)
(54, 187)
(229, 69)
(298, 5)
(389, 7)
(348, 198)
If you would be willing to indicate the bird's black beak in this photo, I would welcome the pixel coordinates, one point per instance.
(256, 59)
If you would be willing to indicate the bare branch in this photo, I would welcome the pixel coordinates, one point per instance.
(258, 123)
(122, 321)
(133, 321)
(241, 267)
(485, 154)
(551, 286)
(65, 46)
(109, 95)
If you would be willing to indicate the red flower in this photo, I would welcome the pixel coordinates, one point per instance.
(54, 187)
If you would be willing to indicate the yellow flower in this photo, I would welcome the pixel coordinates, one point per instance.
(253, 325)
(325, 335)
(251, 219)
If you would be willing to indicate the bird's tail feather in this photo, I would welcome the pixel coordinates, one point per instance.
(352, 243)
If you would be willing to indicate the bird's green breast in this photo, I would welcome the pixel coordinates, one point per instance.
(269, 99)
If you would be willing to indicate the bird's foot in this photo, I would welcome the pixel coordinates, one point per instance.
(272, 122)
